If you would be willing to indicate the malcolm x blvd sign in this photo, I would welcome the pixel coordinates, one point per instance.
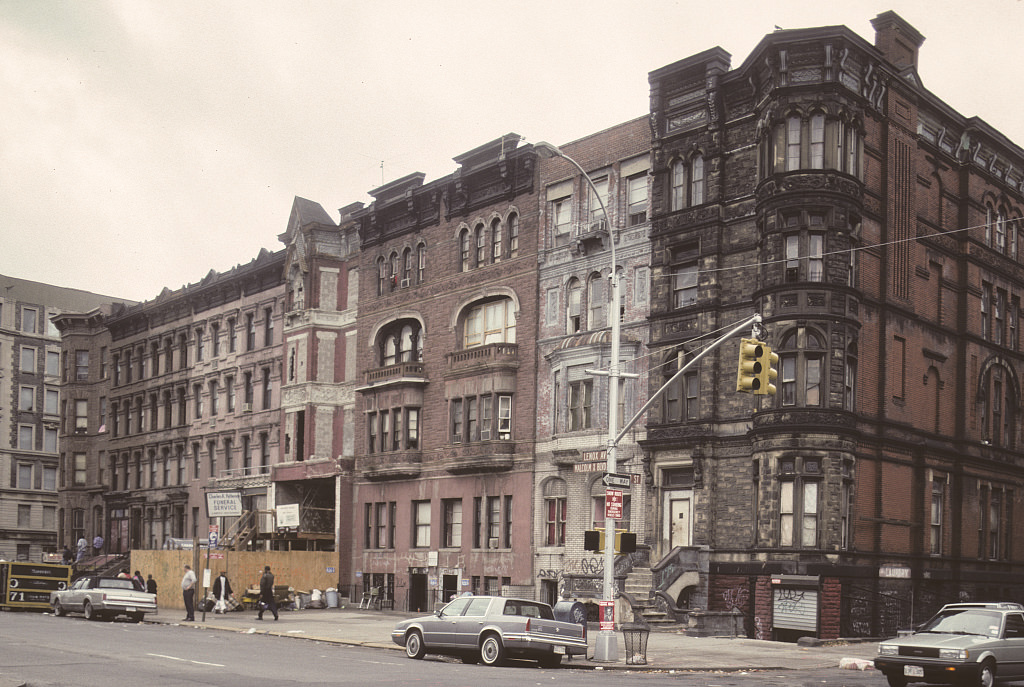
(613, 504)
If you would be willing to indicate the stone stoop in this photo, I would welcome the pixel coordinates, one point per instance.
(639, 584)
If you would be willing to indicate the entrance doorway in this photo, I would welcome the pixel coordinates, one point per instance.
(678, 519)
(449, 587)
(417, 592)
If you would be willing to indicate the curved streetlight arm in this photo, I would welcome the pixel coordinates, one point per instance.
(606, 648)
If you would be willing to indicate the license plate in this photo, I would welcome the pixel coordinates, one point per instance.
(559, 649)
(913, 671)
(130, 609)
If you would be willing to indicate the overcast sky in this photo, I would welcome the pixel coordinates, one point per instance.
(145, 142)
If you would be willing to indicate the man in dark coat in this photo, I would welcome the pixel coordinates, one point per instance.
(221, 593)
(267, 602)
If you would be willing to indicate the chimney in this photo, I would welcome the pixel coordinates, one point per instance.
(897, 40)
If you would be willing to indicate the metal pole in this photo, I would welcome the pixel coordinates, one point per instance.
(606, 648)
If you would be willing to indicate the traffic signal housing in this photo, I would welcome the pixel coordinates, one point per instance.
(768, 374)
(625, 542)
(748, 372)
(756, 373)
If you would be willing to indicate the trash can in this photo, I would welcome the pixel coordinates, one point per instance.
(570, 612)
(634, 636)
(332, 598)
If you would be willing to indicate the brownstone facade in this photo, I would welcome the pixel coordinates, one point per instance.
(876, 231)
(447, 326)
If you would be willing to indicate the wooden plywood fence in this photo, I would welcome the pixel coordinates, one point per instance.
(303, 570)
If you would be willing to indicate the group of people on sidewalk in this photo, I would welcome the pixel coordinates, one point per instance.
(222, 592)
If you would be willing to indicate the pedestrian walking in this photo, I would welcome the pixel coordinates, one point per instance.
(82, 545)
(67, 558)
(140, 583)
(151, 588)
(97, 545)
(188, 593)
(221, 593)
(267, 602)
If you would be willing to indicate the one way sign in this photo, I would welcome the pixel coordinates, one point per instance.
(613, 480)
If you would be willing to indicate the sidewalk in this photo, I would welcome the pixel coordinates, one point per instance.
(665, 650)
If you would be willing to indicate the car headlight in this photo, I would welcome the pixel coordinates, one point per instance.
(888, 650)
(954, 654)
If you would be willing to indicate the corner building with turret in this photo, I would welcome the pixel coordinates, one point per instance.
(876, 230)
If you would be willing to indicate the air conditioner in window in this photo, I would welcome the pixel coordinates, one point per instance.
(246, 407)
(405, 283)
(492, 543)
(598, 226)
(81, 430)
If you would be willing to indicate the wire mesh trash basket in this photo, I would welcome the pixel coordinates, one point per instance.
(634, 636)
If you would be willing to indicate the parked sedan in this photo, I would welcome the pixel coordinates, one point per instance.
(963, 644)
(103, 597)
(490, 629)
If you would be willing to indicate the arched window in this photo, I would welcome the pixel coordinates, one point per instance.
(407, 265)
(390, 348)
(464, 250)
(496, 240)
(802, 371)
(678, 185)
(997, 397)
(697, 180)
(400, 342)
(489, 323)
(481, 245)
(597, 299)
(573, 306)
(513, 235)
(393, 268)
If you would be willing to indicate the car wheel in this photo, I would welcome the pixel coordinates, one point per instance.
(58, 610)
(414, 647)
(492, 651)
(896, 680)
(987, 674)
(90, 612)
(552, 661)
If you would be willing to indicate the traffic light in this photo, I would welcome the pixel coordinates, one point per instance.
(625, 542)
(748, 374)
(768, 374)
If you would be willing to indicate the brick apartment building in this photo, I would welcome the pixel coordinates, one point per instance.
(167, 399)
(319, 378)
(30, 376)
(876, 230)
(574, 337)
(444, 455)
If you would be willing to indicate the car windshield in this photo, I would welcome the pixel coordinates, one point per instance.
(969, 621)
(116, 584)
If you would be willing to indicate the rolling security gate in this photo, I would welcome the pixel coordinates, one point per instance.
(795, 603)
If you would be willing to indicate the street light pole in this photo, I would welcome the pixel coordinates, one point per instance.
(606, 648)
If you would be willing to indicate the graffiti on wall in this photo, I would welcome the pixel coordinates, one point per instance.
(735, 598)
